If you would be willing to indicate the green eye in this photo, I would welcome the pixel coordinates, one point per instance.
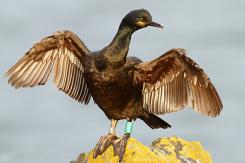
(143, 19)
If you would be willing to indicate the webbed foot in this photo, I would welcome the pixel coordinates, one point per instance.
(119, 146)
(103, 144)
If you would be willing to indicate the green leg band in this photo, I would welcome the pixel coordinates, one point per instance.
(129, 127)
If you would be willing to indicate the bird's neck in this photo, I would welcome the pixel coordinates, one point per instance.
(117, 50)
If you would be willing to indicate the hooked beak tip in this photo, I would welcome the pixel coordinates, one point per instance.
(154, 24)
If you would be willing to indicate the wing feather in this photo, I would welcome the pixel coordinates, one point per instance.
(71, 85)
(35, 73)
(74, 91)
(64, 54)
(174, 81)
(42, 80)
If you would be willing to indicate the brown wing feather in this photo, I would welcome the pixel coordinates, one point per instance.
(63, 52)
(174, 81)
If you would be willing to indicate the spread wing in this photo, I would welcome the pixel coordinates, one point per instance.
(174, 81)
(64, 53)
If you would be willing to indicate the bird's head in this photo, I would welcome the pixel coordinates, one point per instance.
(138, 19)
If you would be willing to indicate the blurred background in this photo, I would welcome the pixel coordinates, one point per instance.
(45, 125)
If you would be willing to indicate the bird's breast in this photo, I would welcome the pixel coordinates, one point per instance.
(112, 89)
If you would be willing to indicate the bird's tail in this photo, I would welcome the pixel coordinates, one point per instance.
(154, 121)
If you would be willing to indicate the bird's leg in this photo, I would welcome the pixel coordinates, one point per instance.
(113, 127)
(120, 144)
(106, 141)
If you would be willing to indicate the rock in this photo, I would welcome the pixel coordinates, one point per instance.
(163, 150)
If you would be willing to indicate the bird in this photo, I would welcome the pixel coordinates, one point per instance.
(124, 88)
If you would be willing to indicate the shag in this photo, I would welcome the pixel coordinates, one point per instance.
(123, 87)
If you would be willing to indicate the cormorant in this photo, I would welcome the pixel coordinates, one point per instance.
(123, 87)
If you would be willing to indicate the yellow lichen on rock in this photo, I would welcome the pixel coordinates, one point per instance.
(174, 149)
(162, 150)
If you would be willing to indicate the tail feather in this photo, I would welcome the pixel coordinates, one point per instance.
(154, 121)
